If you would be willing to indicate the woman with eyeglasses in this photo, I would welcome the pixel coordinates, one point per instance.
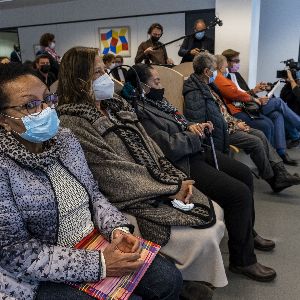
(49, 202)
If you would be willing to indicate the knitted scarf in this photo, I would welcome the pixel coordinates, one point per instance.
(162, 105)
(154, 218)
(11, 147)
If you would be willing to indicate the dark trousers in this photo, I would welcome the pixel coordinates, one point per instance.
(162, 281)
(261, 152)
(232, 188)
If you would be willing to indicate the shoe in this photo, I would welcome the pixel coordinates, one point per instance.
(288, 161)
(193, 290)
(293, 144)
(282, 179)
(256, 272)
(263, 244)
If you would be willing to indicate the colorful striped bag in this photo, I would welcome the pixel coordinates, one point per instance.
(115, 288)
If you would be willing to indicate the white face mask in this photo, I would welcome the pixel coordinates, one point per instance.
(112, 66)
(103, 87)
(52, 45)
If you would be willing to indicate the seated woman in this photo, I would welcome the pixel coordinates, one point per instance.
(134, 174)
(231, 187)
(49, 201)
(253, 141)
(271, 120)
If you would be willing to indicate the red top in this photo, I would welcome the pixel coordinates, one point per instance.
(230, 93)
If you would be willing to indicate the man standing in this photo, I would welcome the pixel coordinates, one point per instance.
(147, 51)
(193, 45)
(15, 56)
(42, 65)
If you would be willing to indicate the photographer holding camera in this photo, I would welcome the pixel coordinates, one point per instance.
(290, 93)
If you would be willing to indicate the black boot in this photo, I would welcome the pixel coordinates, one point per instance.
(282, 179)
(287, 160)
(195, 290)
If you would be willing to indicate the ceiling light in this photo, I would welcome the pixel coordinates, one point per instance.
(1, 1)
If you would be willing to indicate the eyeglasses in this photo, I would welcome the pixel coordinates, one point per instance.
(35, 106)
(235, 60)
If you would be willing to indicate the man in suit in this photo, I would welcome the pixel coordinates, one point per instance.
(119, 73)
(193, 45)
(15, 56)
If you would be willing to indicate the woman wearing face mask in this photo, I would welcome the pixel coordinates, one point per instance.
(49, 202)
(134, 174)
(109, 62)
(273, 117)
(183, 144)
(47, 43)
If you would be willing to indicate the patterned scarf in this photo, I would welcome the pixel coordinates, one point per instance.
(53, 53)
(162, 105)
(132, 138)
(12, 148)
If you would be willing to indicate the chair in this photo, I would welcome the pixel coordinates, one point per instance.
(118, 86)
(172, 81)
(186, 69)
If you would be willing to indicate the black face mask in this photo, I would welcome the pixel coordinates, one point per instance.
(17, 49)
(154, 39)
(156, 94)
(45, 68)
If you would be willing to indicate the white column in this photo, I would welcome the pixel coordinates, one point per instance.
(240, 32)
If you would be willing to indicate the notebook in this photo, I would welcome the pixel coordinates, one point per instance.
(115, 288)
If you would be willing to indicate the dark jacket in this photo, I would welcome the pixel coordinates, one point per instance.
(15, 57)
(177, 144)
(291, 97)
(158, 56)
(200, 106)
(50, 78)
(190, 43)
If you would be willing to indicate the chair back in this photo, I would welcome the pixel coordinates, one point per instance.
(186, 69)
(172, 81)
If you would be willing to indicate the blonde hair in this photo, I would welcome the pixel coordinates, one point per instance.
(221, 59)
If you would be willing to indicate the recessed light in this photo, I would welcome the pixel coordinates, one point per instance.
(1, 1)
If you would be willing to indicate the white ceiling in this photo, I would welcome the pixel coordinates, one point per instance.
(23, 3)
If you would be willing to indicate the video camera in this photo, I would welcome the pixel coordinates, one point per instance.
(293, 66)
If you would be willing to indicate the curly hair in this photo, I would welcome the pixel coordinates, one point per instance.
(75, 77)
(46, 38)
(9, 73)
(157, 26)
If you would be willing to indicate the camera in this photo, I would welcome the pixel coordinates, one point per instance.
(293, 66)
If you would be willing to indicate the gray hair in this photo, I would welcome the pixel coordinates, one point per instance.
(202, 61)
(221, 60)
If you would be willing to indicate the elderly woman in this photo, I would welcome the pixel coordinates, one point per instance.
(50, 201)
(274, 114)
(231, 187)
(133, 172)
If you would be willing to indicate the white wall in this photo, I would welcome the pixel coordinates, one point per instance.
(279, 36)
(86, 34)
(239, 32)
(95, 9)
(7, 41)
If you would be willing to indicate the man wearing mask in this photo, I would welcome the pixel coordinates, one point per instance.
(147, 51)
(119, 73)
(193, 45)
(42, 65)
(15, 56)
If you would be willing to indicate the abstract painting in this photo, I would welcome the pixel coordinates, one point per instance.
(115, 40)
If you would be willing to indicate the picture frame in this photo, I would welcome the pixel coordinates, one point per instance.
(115, 40)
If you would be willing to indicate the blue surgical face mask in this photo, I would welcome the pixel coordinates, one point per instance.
(199, 35)
(213, 77)
(40, 127)
(226, 73)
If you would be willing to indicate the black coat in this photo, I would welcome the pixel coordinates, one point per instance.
(177, 144)
(190, 43)
(291, 97)
(200, 106)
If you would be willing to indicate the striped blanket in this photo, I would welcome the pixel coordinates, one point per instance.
(115, 288)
